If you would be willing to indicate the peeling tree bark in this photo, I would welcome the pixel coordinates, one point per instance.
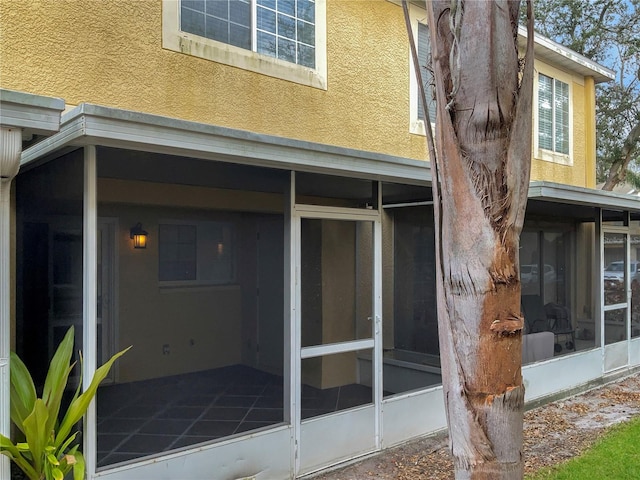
(481, 179)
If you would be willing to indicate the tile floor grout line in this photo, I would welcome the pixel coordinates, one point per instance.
(134, 432)
(250, 408)
(197, 419)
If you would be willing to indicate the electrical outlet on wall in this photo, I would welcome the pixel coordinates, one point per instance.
(165, 349)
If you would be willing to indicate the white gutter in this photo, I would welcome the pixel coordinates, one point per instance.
(34, 114)
(10, 147)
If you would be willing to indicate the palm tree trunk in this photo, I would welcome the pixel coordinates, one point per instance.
(481, 178)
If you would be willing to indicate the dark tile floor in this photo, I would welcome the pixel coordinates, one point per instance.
(147, 417)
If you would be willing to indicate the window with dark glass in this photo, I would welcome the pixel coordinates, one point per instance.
(284, 29)
(200, 252)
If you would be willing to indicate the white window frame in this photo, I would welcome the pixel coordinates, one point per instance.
(542, 153)
(416, 125)
(201, 257)
(183, 42)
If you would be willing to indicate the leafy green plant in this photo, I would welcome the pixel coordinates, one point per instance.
(50, 450)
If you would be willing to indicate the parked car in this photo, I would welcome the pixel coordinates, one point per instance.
(615, 271)
(529, 273)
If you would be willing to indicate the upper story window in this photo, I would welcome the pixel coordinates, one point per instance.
(281, 38)
(284, 30)
(553, 114)
(424, 55)
(423, 45)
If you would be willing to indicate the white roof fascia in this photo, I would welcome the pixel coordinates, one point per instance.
(557, 192)
(89, 124)
(34, 113)
(559, 55)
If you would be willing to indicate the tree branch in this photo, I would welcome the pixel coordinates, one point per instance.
(620, 165)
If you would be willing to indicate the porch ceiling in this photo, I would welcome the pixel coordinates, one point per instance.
(90, 124)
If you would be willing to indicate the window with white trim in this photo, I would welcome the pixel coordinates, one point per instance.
(284, 29)
(196, 253)
(553, 114)
(279, 38)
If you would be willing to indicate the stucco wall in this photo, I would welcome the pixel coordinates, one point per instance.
(110, 53)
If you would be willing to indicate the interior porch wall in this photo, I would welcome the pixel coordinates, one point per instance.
(206, 326)
(201, 325)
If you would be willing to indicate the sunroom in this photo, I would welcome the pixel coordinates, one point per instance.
(278, 294)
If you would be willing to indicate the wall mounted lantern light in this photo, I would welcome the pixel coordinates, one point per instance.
(139, 236)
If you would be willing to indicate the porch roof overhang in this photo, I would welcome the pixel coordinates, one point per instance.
(89, 124)
(35, 114)
(579, 196)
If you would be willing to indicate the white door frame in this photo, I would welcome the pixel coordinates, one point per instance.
(621, 348)
(297, 213)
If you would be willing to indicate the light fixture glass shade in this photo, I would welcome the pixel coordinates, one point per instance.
(139, 236)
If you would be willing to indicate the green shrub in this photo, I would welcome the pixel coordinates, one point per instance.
(50, 450)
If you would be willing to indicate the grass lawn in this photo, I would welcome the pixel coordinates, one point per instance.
(616, 456)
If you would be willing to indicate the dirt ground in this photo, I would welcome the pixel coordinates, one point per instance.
(553, 433)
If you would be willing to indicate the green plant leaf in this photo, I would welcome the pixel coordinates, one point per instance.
(62, 449)
(55, 400)
(22, 392)
(52, 459)
(57, 376)
(37, 436)
(57, 474)
(58, 366)
(78, 467)
(79, 406)
(10, 450)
